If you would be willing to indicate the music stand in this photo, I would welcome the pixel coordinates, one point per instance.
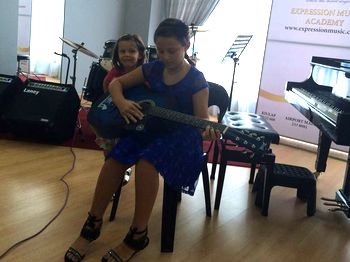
(235, 52)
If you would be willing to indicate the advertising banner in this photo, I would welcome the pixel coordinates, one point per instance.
(299, 30)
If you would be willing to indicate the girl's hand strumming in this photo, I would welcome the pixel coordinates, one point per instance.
(130, 111)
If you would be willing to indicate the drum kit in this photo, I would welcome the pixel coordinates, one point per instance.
(98, 70)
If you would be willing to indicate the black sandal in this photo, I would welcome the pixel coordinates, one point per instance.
(88, 232)
(135, 244)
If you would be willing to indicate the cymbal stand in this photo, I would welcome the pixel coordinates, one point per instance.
(194, 39)
(73, 78)
(75, 58)
(77, 47)
(68, 65)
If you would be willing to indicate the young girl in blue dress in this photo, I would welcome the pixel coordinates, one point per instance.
(175, 155)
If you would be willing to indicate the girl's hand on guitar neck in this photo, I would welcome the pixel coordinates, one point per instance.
(211, 134)
(130, 111)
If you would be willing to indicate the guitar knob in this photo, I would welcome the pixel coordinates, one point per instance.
(140, 127)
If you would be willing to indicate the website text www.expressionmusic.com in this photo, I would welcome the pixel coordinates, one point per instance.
(317, 30)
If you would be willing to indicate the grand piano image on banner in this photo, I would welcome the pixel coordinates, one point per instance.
(324, 99)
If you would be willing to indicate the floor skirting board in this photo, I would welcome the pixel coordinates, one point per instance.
(312, 147)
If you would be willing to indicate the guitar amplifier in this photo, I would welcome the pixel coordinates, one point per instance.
(9, 86)
(44, 111)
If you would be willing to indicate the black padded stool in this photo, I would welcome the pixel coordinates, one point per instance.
(288, 176)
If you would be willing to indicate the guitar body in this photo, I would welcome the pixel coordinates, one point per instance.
(105, 117)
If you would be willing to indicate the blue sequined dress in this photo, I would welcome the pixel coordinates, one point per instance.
(178, 154)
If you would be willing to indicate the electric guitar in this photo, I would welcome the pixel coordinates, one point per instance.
(105, 118)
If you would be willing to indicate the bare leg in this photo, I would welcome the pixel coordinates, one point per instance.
(146, 183)
(111, 175)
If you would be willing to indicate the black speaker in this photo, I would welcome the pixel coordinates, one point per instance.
(9, 87)
(44, 111)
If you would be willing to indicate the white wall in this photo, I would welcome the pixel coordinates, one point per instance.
(8, 36)
(91, 22)
(142, 17)
(157, 15)
(137, 16)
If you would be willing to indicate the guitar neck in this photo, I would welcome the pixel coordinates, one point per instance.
(241, 137)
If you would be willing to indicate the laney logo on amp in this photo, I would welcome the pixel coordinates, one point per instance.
(30, 91)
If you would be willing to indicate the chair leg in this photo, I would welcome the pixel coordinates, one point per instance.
(220, 184)
(170, 199)
(116, 197)
(258, 187)
(268, 176)
(252, 173)
(259, 180)
(214, 160)
(311, 202)
(179, 196)
(205, 177)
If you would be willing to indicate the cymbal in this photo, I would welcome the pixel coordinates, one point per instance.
(197, 28)
(79, 47)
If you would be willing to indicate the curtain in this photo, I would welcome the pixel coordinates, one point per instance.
(190, 11)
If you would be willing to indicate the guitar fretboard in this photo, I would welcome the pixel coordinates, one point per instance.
(240, 137)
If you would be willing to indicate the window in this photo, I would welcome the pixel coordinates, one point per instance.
(228, 20)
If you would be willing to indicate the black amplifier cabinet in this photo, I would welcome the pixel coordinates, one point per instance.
(44, 111)
(9, 87)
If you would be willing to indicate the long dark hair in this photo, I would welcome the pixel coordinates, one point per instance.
(172, 27)
(140, 47)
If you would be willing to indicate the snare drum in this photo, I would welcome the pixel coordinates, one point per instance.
(106, 63)
(94, 86)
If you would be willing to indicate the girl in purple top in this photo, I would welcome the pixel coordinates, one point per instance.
(176, 155)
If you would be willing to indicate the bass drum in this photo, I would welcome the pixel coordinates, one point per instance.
(94, 86)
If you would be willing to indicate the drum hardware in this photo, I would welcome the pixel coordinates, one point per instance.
(194, 29)
(77, 47)
(109, 47)
(68, 65)
(151, 53)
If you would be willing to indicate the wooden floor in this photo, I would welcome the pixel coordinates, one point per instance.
(32, 194)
